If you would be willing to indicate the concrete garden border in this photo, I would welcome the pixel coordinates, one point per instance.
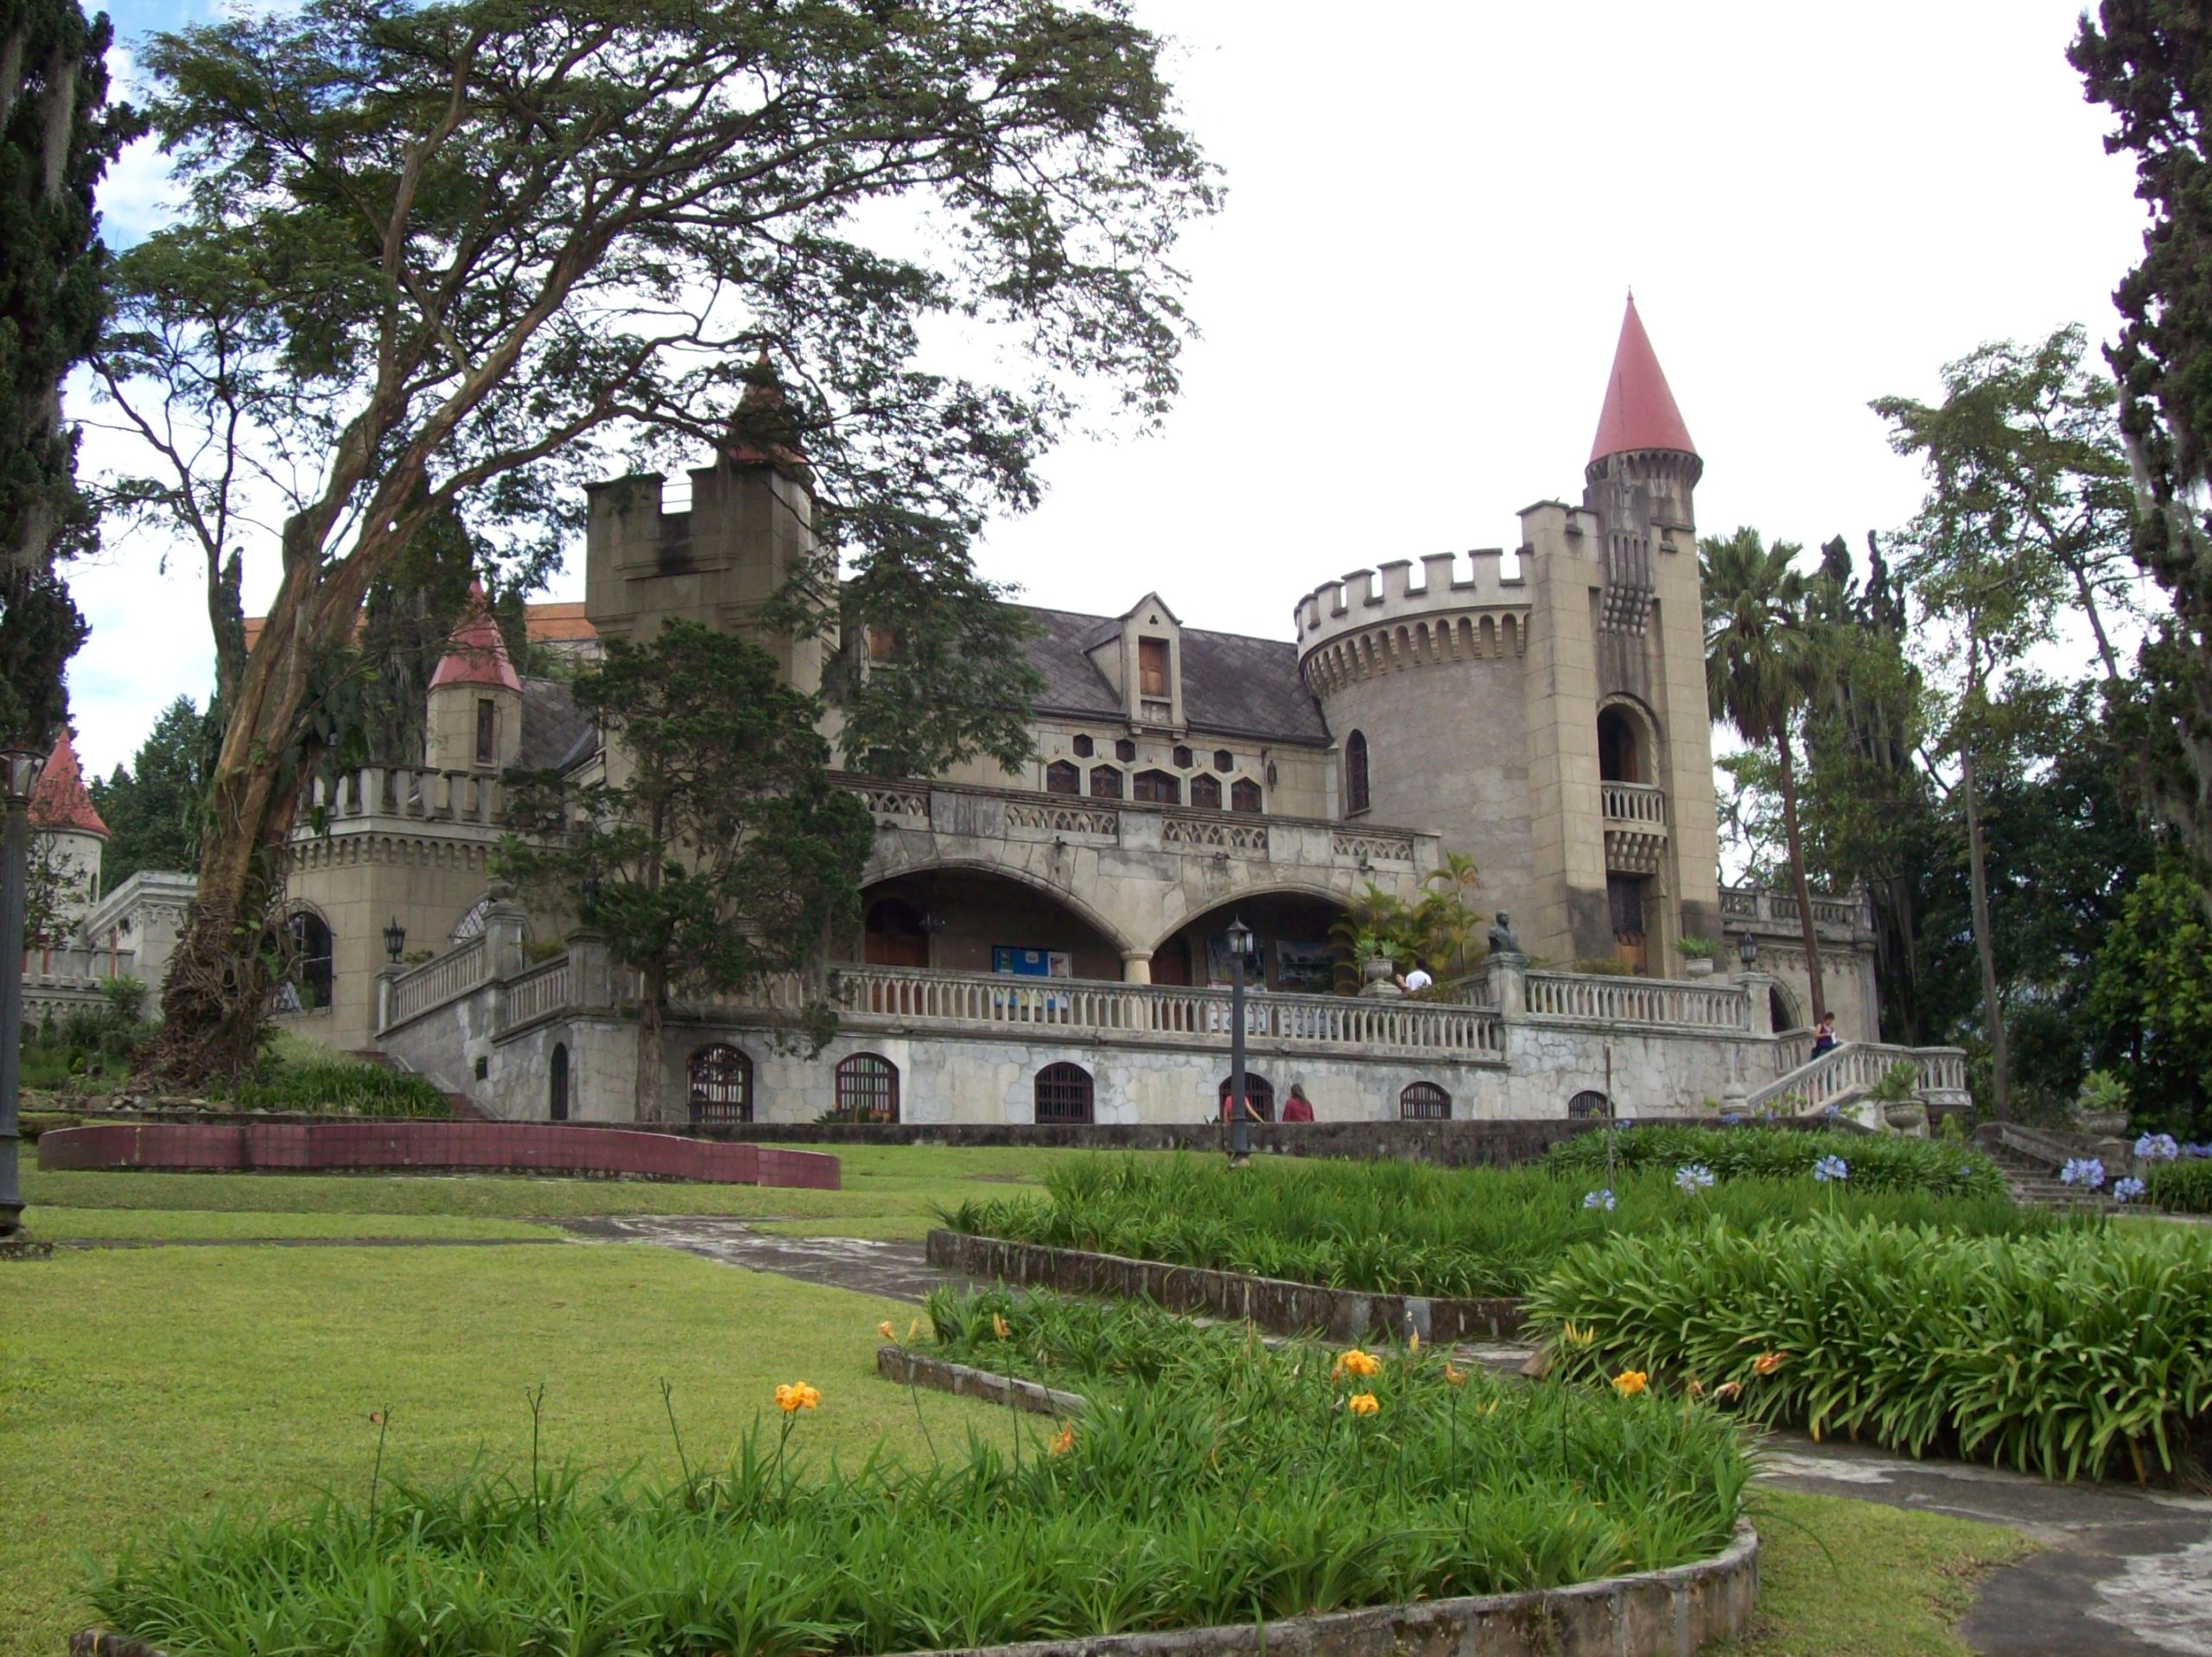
(1272, 1304)
(911, 1369)
(1671, 1613)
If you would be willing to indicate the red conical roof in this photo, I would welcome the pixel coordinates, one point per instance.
(476, 655)
(59, 804)
(1640, 411)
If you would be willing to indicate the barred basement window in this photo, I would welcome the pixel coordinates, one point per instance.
(1586, 1106)
(1424, 1102)
(1258, 1089)
(868, 1088)
(721, 1084)
(1064, 1094)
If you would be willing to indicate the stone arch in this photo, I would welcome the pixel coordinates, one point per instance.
(1490, 636)
(1782, 1007)
(1223, 902)
(1508, 637)
(1636, 713)
(880, 869)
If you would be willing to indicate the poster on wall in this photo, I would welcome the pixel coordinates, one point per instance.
(1032, 963)
(1311, 967)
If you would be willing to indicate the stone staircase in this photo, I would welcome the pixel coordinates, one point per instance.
(2030, 1160)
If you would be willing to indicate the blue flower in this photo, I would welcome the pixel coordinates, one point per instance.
(2126, 1190)
(2156, 1147)
(2082, 1171)
(1832, 1111)
(1693, 1177)
(1729, 1119)
(1598, 1200)
(2196, 1152)
(1829, 1168)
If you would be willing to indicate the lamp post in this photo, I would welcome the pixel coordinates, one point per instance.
(1747, 950)
(1240, 1136)
(19, 771)
(395, 939)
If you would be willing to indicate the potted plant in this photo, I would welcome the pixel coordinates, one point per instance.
(1895, 1094)
(1376, 965)
(2101, 1109)
(1698, 955)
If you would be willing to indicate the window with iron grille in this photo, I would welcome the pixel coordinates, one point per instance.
(721, 1078)
(1258, 1089)
(1061, 778)
(1160, 787)
(1105, 782)
(1587, 1104)
(1424, 1102)
(868, 1088)
(1064, 1094)
(1355, 772)
(1243, 795)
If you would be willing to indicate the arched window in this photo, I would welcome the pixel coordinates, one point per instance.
(1105, 782)
(1616, 747)
(1206, 792)
(1084, 747)
(1063, 777)
(1588, 1105)
(868, 1088)
(1257, 1088)
(721, 1084)
(1064, 1094)
(1424, 1102)
(556, 1083)
(1244, 795)
(1356, 772)
(1159, 787)
(310, 979)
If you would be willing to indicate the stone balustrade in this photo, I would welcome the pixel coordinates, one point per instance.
(66, 965)
(1600, 998)
(1777, 911)
(405, 791)
(1850, 1067)
(543, 990)
(1643, 805)
(434, 983)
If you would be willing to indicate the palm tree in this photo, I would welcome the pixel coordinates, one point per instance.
(1764, 658)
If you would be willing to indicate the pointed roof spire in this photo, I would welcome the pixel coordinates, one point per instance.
(59, 802)
(1639, 411)
(476, 654)
(762, 431)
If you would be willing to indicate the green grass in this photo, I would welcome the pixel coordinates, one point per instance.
(893, 1190)
(1842, 1578)
(1878, 1163)
(138, 1386)
(1406, 1227)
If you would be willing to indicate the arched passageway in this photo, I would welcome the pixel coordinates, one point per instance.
(969, 920)
(1292, 951)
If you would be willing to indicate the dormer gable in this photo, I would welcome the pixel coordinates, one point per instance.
(1141, 655)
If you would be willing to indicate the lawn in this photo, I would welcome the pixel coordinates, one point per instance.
(889, 1192)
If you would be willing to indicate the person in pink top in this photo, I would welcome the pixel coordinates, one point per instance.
(1298, 1108)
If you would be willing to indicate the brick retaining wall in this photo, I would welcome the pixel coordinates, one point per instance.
(1278, 1306)
(361, 1146)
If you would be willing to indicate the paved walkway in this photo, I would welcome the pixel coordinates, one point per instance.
(2125, 1573)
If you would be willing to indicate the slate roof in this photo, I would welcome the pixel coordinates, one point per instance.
(1232, 683)
(555, 732)
(59, 800)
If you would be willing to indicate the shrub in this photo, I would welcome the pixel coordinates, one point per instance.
(301, 1075)
(2182, 1187)
(2062, 1354)
(1879, 1162)
(1146, 1515)
(1407, 1227)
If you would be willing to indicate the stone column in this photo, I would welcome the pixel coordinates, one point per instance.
(1509, 982)
(591, 978)
(1137, 967)
(503, 929)
(386, 977)
(1756, 985)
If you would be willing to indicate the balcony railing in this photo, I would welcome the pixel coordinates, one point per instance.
(1643, 805)
(1777, 910)
(434, 983)
(1598, 997)
(405, 791)
(1854, 1066)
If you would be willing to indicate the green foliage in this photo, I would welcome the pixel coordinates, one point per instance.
(305, 1078)
(1446, 1489)
(1692, 948)
(1433, 932)
(2181, 1187)
(1406, 1227)
(155, 808)
(126, 998)
(1878, 1162)
(1899, 1083)
(2153, 990)
(2074, 1354)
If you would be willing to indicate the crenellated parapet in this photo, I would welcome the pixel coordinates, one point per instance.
(1377, 621)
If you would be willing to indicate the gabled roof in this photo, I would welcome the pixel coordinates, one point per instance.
(1232, 684)
(476, 655)
(1639, 411)
(59, 804)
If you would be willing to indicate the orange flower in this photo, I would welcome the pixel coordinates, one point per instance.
(1456, 1377)
(1063, 1442)
(1767, 1362)
(884, 1329)
(1413, 1342)
(998, 1326)
(1356, 1363)
(1630, 1382)
(1696, 1389)
(1728, 1390)
(1362, 1404)
(797, 1395)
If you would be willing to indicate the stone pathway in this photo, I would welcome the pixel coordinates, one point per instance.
(2125, 1573)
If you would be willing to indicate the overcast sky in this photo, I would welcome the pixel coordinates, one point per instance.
(1410, 302)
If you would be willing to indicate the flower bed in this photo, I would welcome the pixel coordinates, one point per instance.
(1145, 1516)
(2181, 1187)
(1392, 1227)
(2079, 1352)
(1876, 1162)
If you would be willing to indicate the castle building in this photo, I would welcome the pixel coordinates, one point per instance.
(1049, 943)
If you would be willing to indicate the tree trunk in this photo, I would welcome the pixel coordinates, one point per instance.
(1797, 875)
(650, 1005)
(1992, 1014)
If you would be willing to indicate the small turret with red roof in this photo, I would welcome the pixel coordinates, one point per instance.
(59, 804)
(473, 719)
(476, 653)
(1639, 412)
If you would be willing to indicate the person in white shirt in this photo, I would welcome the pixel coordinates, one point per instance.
(1414, 981)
